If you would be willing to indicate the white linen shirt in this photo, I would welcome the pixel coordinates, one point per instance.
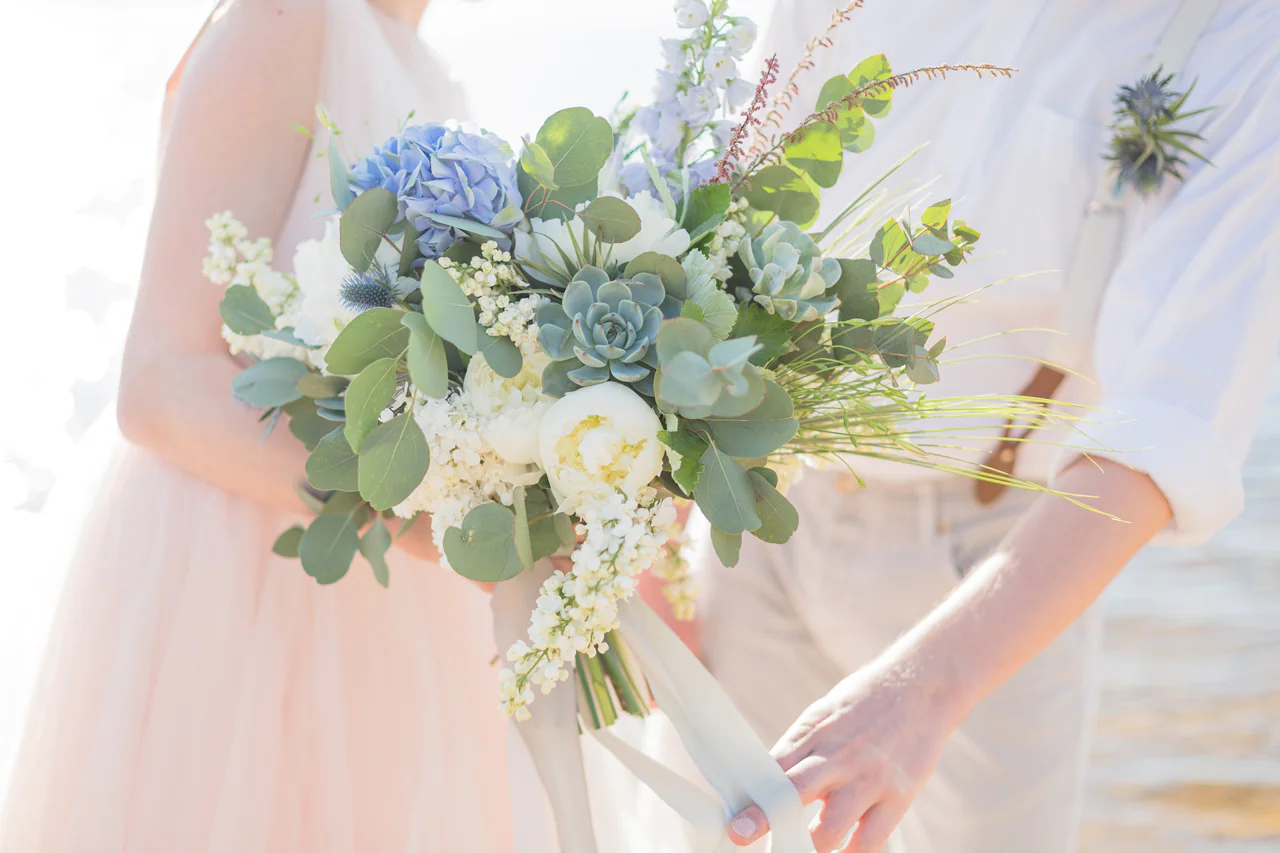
(1188, 330)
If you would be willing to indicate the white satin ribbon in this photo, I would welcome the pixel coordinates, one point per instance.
(718, 739)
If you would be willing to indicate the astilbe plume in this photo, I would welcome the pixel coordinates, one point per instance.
(734, 150)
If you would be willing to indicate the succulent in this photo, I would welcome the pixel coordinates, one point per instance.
(789, 276)
(607, 326)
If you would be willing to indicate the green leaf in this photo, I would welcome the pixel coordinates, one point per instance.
(760, 431)
(724, 493)
(319, 385)
(373, 334)
(286, 544)
(771, 331)
(484, 548)
(729, 406)
(409, 251)
(611, 219)
(850, 120)
(374, 546)
(554, 204)
(448, 310)
(577, 143)
(524, 545)
(683, 335)
(927, 244)
(333, 465)
(674, 279)
(705, 209)
(784, 191)
(555, 378)
(244, 312)
(778, 518)
(858, 289)
(470, 226)
(727, 546)
(363, 225)
(428, 366)
(339, 180)
(719, 311)
(370, 392)
(536, 163)
(329, 545)
(889, 244)
(305, 422)
(270, 383)
(691, 447)
(935, 217)
(502, 355)
(818, 152)
(870, 70)
(692, 311)
(688, 380)
(768, 473)
(393, 462)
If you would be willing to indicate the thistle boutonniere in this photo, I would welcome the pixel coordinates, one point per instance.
(1146, 145)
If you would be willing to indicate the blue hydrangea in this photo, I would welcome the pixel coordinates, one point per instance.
(434, 169)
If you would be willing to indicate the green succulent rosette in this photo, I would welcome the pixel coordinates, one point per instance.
(789, 276)
(604, 328)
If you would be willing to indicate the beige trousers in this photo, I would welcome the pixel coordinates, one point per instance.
(790, 621)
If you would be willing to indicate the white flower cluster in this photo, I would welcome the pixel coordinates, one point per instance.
(680, 587)
(621, 538)
(482, 441)
(516, 320)
(727, 238)
(487, 278)
(487, 274)
(234, 259)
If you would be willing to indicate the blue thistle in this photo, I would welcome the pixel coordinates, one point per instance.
(1145, 146)
(363, 291)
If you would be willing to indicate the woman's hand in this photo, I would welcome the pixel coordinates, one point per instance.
(865, 750)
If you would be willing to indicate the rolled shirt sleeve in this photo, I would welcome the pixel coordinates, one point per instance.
(1188, 330)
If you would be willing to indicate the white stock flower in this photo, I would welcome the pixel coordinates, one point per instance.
(600, 440)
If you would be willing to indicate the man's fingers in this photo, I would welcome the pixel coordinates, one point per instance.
(813, 777)
(874, 829)
(840, 812)
(794, 745)
(748, 826)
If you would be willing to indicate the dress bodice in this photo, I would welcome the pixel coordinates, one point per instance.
(375, 73)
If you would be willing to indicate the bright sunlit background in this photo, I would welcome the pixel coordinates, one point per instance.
(1188, 753)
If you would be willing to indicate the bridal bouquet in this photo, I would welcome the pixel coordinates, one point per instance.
(543, 351)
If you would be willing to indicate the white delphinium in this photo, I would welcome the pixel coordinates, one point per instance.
(622, 536)
(482, 441)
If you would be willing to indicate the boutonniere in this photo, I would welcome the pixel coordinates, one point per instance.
(1146, 144)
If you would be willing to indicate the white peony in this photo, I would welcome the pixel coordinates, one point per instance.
(511, 410)
(317, 314)
(598, 440)
(549, 237)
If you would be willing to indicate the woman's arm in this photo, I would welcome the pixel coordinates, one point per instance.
(231, 146)
(868, 746)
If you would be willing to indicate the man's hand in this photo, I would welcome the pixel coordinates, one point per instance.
(865, 750)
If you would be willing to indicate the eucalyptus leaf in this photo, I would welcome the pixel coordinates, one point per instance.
(611, 219)
(286, 544)
(927, 244)
(818, 152)
(409, 250)
(524, 545)
(339, 179)
(320, 385)
(724, 493)
(470, 226)
(935, 217)
(778, 518)
(329, 544)
(536, 163)
(782, 190)
(244, 312)
(688, 380)
(870, 70)
(371, 335)
(577, 143)
(373, 547)
(560, 204)
(428, 365)
(447, 309)
(370, 392)
(270, 383)
(768, 473)
(727, 547)
(683, 335)
(364, 224)
(760, 431)
(484, 548)
(502, 355)
(393, 462)
(858, 289)
(674, 279)
(333, 465)
(306, 424)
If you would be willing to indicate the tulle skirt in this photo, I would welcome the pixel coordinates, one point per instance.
(201, 694)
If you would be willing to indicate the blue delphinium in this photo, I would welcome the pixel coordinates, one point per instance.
(434, 169)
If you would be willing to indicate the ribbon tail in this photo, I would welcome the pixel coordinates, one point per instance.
(719, 740)
(551, 734)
